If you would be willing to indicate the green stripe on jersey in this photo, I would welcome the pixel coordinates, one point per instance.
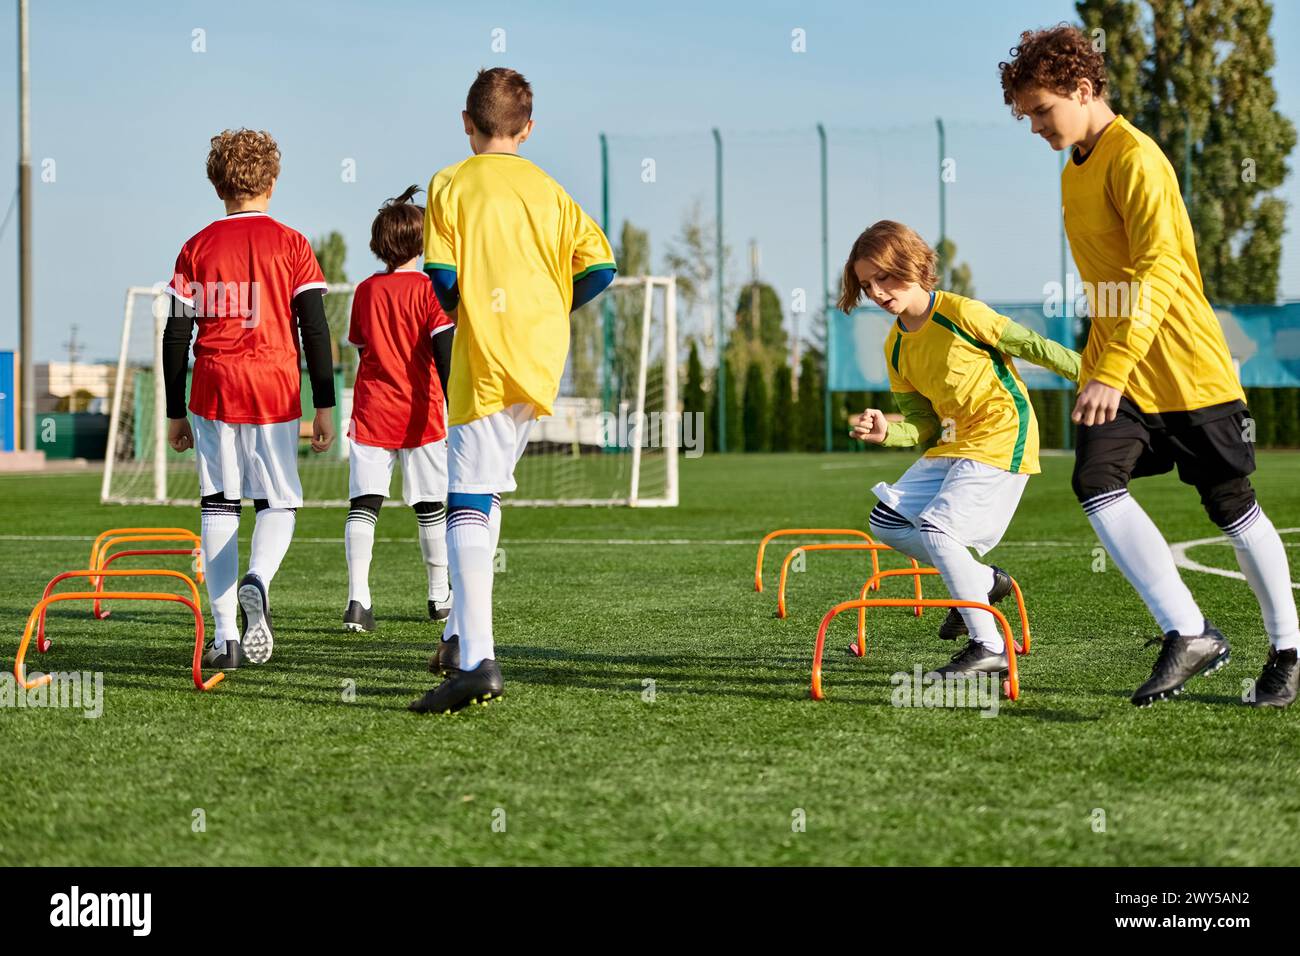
(598, 265)
(1008, 382)
(898, 343)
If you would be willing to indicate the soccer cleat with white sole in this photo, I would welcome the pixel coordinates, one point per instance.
(358, 618)
(440, 610)
(228, 658)
(255, 620)
(973, 658)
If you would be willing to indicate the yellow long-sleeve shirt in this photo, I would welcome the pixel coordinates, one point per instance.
(1154, 335)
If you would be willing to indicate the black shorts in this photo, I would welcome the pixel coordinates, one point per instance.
(1211, 448)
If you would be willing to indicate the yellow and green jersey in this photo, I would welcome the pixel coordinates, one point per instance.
(974, 403)
(1154, 335)
(517, 242)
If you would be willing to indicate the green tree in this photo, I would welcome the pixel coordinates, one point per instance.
(809, 407)
(783, 421)
(1194, 76)
(952, 277)
(331, 250)
(735, 411)
(693, 397)
(757, 415)
(692, 257)
(759, 336)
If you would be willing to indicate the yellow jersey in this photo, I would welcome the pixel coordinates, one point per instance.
(978, 396)
(1154, 335)
(517, 242)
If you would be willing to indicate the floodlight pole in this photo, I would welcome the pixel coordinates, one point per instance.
(722, 356)
(826, 292)
(943, 194)
(26, 378)
(607, 305)
(1066, 306)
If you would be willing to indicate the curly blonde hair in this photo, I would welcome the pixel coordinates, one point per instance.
(243, 163)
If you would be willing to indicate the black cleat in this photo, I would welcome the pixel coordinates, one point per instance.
(446, 657)
(1182, 658)
(228, 658)
(255, 620)
(440, 610)
(461, 689)
(954, 626)
(973, 658)
(1278, 684)
(358, 618)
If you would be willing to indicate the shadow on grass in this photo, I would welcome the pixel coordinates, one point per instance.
(308, 671)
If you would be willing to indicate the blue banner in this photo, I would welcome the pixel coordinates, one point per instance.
(1264, 341)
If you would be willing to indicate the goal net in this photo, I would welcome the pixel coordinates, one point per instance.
(613, 437)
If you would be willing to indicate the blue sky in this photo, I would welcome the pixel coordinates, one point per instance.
(125, 107)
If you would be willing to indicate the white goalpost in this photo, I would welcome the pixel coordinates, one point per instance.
(612, 440)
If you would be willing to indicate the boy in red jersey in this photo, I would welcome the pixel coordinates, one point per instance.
(398, 409)
(245, 279)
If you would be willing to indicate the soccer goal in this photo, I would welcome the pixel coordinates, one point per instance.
(612, 439)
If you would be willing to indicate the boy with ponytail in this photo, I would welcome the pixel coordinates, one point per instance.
(398, 415)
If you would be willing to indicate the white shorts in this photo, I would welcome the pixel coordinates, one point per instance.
(424, 471)
(481, 455)
(248, 461)
(972, 502)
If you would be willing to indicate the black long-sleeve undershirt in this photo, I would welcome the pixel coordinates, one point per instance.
(313, 327)
(442, 357)
(309, 308)
(176, 356)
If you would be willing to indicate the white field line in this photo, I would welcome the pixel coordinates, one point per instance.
(564, 542)
(1183, 561)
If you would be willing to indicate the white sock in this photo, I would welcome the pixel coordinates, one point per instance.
(272, 532)
(494, 523)
(1139, 550)
(1263, 561)
(359, 545)
(967, 580)
(433, 545)
(219, 536)
(468, 540)
(889, 527)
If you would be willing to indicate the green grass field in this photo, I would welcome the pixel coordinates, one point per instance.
(580, 767)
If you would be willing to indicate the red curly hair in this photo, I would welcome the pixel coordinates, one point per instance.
(1055, 59)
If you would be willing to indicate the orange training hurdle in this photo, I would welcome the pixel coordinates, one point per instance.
(38, 614)
(873, 547)
(860, 648)
(1012, 683)
(99, 556)
(782, 532)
